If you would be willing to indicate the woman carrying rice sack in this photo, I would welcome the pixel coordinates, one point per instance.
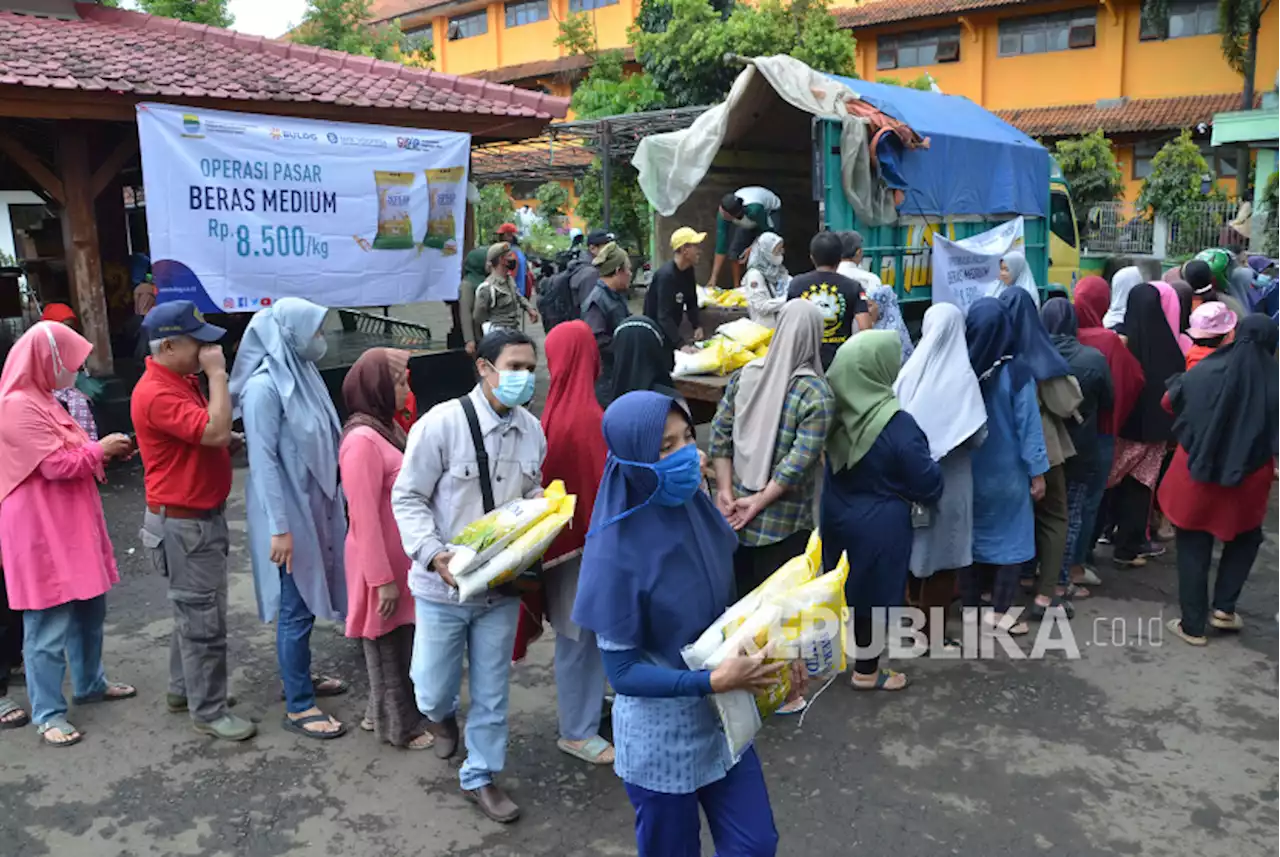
(657, 570)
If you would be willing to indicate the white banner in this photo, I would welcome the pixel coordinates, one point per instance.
(244, 209)
(968, 269)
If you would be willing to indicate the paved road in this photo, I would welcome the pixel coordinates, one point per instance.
(1144, 746)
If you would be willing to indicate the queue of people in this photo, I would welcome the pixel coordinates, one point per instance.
(999, 449)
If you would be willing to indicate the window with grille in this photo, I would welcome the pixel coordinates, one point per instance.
(1186, 18)
(916, 49)
(588, 5)
(527, 12)
(466, 26)
(1046, 33)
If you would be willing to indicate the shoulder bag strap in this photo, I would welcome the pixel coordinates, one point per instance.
(482, 456)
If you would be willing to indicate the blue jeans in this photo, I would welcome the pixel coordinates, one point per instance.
(1077, 493)
(485, 633)
(67, 635)
(1093, 500)
(293, 646)
(737, 809)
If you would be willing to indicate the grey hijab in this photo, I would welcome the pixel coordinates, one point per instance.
(280, 341)
(763, 386)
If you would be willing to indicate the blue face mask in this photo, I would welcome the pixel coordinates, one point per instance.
(679, 478)
(515, 387)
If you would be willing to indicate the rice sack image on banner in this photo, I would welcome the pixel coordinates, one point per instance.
(245, 209)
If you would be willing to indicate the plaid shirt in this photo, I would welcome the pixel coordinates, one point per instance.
(807, 412)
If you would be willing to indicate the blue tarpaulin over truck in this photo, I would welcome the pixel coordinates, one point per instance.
(976, 163)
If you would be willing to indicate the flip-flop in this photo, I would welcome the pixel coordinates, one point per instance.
(7, 707)
(1175, 628)
(298, 725)
(1232, 622)
(589, 752)
(319, 692)
(124, 691)
(62, 726)
(882, 679)
(792, 708)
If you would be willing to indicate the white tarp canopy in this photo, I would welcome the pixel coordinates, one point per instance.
(672, 165)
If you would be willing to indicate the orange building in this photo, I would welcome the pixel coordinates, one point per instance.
(1058, 68)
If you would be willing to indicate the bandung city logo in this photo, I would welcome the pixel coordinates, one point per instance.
(191, 125)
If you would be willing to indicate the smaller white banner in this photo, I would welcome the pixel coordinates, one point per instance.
(968, 269)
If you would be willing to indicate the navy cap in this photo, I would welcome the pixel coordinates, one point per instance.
(599, 238)
(180, 318)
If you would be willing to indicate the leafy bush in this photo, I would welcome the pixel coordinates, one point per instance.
(1177, 172)
(1090, 167)
(494, 209)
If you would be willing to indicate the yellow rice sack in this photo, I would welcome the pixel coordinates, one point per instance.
(482, 539)
(395, 228)
(747, 333)
(444, 189)
(814, 620)
(520, 554)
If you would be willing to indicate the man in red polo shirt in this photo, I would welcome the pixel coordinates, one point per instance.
(185, 441)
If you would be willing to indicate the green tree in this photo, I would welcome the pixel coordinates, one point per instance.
(1177, 171)
(494, 209)
(686, 56)
(577, 35)
(1090, 167)
(211, 12)
(628, 209)
(342, 25)
(1239, 22)
(553, 199)
(923, 83)
(608, 91)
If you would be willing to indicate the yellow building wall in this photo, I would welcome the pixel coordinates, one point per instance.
(529, 42)
(1118, 65)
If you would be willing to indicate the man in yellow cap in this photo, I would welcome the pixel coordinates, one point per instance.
(673, 292)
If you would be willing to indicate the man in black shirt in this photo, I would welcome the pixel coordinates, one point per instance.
(840, 298)
(673, 293)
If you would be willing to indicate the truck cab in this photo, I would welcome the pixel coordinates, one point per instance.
(1064, 233)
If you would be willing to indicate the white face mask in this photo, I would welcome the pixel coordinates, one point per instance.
(775, 258)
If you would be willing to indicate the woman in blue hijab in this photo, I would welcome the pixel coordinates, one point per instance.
(657, 570)
(1059, 397)
(295, 508)
(1009, 468)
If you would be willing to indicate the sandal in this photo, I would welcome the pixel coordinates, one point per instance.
(883, 677)
(789, 709)
(366, 724)
(425, 741)
(1005, 623)
(1175, 628)
(113, 692)
(7, 709)
(1218, 619)
(324, 685)
(1038, 611)
(299, 724)
(70, 734)
(593, 750)
(1076, 591)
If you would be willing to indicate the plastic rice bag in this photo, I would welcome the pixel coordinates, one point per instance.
(523, 551)
(482, 539)
(444, 187)
(395, 229)
(815, 620)
(747, 333)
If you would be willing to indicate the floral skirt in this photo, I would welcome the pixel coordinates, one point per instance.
(1142, 461)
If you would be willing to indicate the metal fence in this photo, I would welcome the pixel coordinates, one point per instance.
(1205, 225)
(1117, 228)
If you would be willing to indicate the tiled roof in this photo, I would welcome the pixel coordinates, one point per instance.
(122, 52)
(1121, 115)
(888, 11)
(542, 68)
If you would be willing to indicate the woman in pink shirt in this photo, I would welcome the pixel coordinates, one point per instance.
(379, 607)
(58, 561)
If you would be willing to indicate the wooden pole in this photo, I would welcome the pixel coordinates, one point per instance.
(80, 243)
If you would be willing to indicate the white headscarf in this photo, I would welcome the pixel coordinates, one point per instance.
(1121, 284)
(763, 386)
(764, 257)
(937, 385)
(275, 342)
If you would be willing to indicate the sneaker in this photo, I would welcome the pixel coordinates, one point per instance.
(1150, 550)
(228, 727)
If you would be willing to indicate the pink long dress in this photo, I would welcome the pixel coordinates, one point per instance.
(53, 536)
(374, 554)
